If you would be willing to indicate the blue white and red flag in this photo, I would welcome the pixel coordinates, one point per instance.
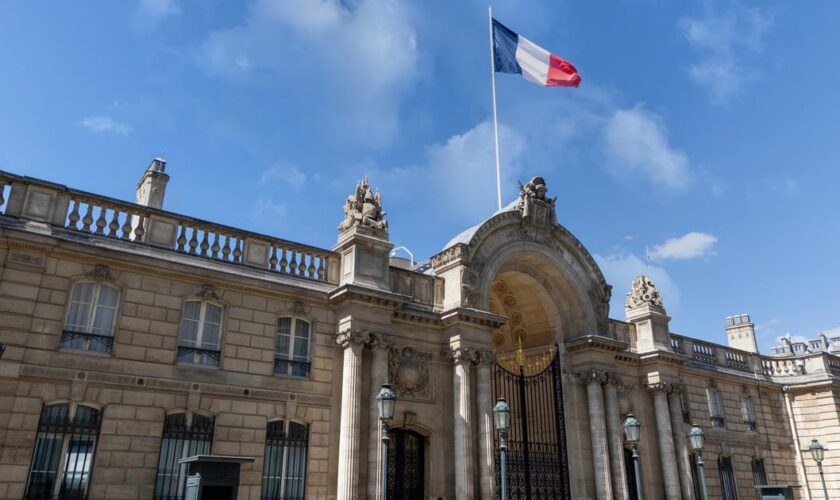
(513, 53)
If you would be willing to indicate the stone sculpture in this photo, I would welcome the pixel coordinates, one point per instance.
(535, 189)
(643, 292)
(364, 208)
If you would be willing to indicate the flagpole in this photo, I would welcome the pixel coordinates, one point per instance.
(495, 119)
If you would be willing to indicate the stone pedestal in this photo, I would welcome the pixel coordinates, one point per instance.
(353, 342)
(364, 257)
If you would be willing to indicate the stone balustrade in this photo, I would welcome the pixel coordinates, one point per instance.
(422, 288)
(101, 216)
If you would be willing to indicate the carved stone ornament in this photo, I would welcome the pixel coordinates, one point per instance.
(350, 337)
(364, 208)
(209, 292)
(409, 373)
(453, 253)
(643, 292)
(534, 190)
(460, 354)
(100, 272)
(597, 376)
(665, 387)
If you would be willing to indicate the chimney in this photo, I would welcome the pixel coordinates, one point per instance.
(740, 332)
(152, 185)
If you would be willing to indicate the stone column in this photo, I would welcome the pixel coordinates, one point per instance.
(487, 447)
(353, 342)
(598, 433)
(616, 439)
(681, 443)
(381, 345)
(664, 431)
(462, 359)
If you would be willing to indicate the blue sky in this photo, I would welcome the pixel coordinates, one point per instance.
(704, 131)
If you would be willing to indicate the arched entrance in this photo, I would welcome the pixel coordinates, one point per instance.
(406, 465)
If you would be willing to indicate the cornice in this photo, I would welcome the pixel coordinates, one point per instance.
(474, 316)
(372, 296)
(596, 342)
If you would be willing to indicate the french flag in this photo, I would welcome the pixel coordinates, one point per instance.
(514, 53)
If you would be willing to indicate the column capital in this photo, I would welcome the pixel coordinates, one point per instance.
(351, 337)
(460, 355)
(660, 387)
(381, 341)
(593, 376)
(485, 358)
(614, 379)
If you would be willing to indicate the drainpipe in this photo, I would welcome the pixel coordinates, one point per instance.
(800, 465)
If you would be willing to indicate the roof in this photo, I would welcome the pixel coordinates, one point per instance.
(466, 236)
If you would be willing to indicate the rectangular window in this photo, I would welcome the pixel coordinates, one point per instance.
(91, 316)
(758, 471)
(727, 478)
(64, 450)
(292, 354)
(748, 413)
(715, 408)
(200, 335)
(184, 435)
(284, 463)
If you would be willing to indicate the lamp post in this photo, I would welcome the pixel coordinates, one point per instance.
(501, 420)
(696, 438)
(385, 401)
(818, 453)
(631, 434)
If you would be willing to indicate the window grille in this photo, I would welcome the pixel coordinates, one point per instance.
(758, 471)
(727, 478)
(715, 408)
(184, 435)
(292, 354)
(748, 413)
(284, 464)
(64, 451)
(91, 317)
(200, 335)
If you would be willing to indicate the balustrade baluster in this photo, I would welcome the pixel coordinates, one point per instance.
(215, 248)
(193, 240)
(272, 261)
(101, 222)
(293, 262)
(74, 215)
(139, 231)
(321, 268)
(114, 226)
(205, 244)
(311, 269)
(302, 267)
(182, 238)
(126, 227)
(226, 249)
(237, 252)
(87, 220)
(283, 262)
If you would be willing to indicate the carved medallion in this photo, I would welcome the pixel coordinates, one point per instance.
(409, 373)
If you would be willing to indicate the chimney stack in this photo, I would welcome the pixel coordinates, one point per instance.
(740, 332)
(152, 186)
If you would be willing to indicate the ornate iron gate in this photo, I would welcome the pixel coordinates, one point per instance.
(537, 463)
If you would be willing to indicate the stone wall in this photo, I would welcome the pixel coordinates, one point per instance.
(817, 415)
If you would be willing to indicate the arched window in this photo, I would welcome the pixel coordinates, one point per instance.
(91, 316)
(64, 451)
(292, 354)
(184, 435)
(284, 463)
(200, 334)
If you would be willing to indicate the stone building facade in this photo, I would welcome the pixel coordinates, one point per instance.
(134, 337)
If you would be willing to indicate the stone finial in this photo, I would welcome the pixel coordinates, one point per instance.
(364, 208)
(643, 292)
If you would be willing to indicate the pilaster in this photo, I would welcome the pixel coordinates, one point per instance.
(668, 458)
(616, 441)
(380, 345)
(487, 448)
(594, 380)
(681, 442)
(353, 342)
(462, 359)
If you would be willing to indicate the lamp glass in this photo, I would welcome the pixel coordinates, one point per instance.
(696, 437)
(501, 414)
(631, 428)
(817, 450)
(386, 400)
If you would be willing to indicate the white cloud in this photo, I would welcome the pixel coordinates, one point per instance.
(265, 209)
(621, 269)
(359, 57)
(636, 141)
(688, 246)
(722, 39)
(103, 124)
(149, 12)
(289, 175)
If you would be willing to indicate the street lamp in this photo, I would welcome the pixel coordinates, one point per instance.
(818, 453)
(385, 401)
(501, 420)
(696, 438)
(631, 434)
